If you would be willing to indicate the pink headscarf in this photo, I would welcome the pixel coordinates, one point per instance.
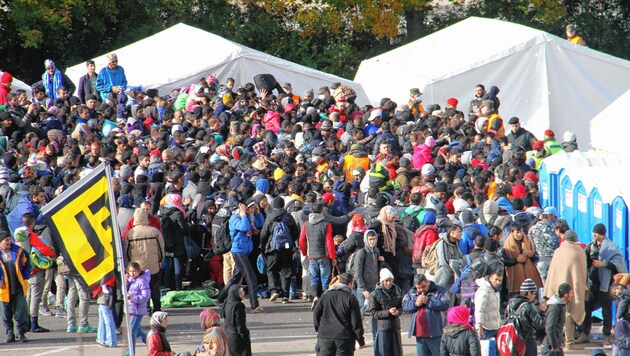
(459, 315)
(175, 200)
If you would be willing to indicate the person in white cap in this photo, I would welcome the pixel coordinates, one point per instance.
(386, 307)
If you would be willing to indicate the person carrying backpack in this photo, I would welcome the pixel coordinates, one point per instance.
(529, 318)
(276, 242)
(413, 217)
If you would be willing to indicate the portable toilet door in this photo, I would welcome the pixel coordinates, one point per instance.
(580, 207)
(548, 186)
(565, 203)
(599, 211)
(618, 231)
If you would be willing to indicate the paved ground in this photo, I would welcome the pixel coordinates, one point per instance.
(285, 330)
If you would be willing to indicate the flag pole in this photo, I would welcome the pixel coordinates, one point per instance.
(119, 255)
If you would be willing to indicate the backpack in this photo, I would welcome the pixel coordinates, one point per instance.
(430, 257)
(410, 221)
(509, 340)
(221, 239)
(281, 239)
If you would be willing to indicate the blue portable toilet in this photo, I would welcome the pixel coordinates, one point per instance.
(548, 185)
(598, 208)
(618, 231)
(565, 202)
(581, 214)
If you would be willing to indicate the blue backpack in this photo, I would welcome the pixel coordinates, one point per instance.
(281, 236)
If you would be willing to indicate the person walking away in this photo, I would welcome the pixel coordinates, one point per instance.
(554, 323)
(459, 338)
(603, 260)
(106, 333)
(337, 320)
(386, 307)
(568, 265)
(239, 343)
(15, 270)
(426, 301)
(531, 321)
(157, 343)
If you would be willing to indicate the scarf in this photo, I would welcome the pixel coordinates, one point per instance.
(519, 272)
(459, 315)
(387, 217)
(357, 224)
(174, 201)
(157, 328)
(213, 335)
(610, 253)
(52, 85)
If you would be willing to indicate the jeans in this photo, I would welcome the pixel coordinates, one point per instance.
(136, 330)
(242, 267)
(78, 290)
(154, 284)
(15, 308)
(174, 268)
(35, 290)
(319, 270)
(106, 333)
(361, 299)
(428, 346)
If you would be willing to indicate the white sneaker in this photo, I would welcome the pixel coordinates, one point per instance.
(274, 296)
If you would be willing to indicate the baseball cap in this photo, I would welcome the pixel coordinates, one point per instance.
(328, 197)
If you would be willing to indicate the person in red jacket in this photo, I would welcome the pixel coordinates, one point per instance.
(157, 344)
(426, 235)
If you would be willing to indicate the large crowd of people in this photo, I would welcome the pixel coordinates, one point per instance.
(426, 209)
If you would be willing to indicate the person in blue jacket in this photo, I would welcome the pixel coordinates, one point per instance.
(472, 229)
(426, 301)
(27, 203)
(111, 79)
(15, 270)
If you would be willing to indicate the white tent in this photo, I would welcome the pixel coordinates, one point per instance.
(18, 84)
(609, 127)
(545, 80)
(181, 55)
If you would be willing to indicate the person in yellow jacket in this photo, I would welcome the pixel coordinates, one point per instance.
(495, 122)
(537, 154)
(551, 145)
(15, 270)
(573, 37)
(357, 157)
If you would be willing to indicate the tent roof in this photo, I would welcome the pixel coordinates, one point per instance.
(149, 63)
(545, 80)
(610, 127)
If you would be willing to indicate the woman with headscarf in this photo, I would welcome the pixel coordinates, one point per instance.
(459, 337)
(174, 227)
(157, 344)
(386, 307)
(53, 79)
(239, 343)
(214, 341)
(384, 227)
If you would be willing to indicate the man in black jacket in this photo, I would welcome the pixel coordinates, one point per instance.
(278, 260)
(555, 318)
(531, 320)
(518, 136)
(337, 320)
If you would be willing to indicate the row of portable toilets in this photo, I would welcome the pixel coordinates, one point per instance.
(588, 188)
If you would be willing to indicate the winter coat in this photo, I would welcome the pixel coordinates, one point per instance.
(174, 227)
(366, 269)
(423, 238)
(144, 244)
(337, 315)
(554, 324)
(380, 302)
(469, 234)
(267, 229)
(421, 155)
(24, 205)
(459, 340)
(22, 268)
(316, 239)
(487, 312)
(531, 320)
(240, 233)
(447, 252)
(430, 314)
(271, 120)
(140, 293)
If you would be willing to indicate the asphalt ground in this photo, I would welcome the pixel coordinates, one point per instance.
(287, 329)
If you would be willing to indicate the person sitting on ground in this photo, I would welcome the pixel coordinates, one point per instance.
(157, 344)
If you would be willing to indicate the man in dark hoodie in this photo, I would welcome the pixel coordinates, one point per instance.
(554, 323)
(316, 242)
(337, 320)
(278, 260)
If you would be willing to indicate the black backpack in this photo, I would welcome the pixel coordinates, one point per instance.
(410, 221)
(221, 240)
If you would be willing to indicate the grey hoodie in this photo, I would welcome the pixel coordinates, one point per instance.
(366, 265)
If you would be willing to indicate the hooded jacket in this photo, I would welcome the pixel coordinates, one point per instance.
(554, 323)
(487, 312)
(459, 340)
(316, 238)
(144, 243)
(140, 292)
(337, 315)
(366, 272)
(240, 233)
(267, 229)
(531, 319)
(447, 252)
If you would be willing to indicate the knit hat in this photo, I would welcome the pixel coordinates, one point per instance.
(125, 171)
(599, 229)
(570, 235)
(491, 245)
(6, 77)
(467, 217)
(404, 162)
(385, 274)
(528, 285)
(427, 169)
